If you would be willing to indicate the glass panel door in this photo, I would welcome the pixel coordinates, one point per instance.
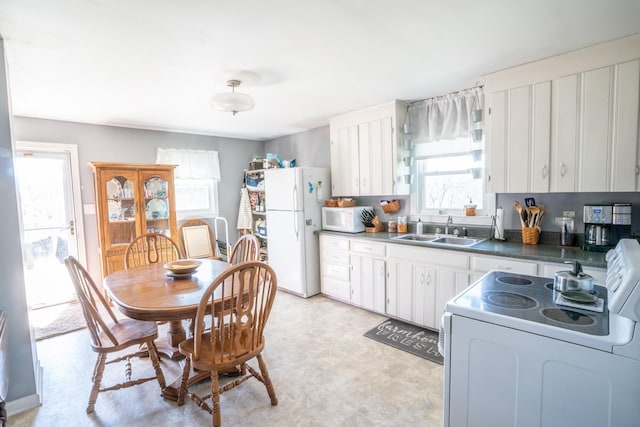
(121, 208)
(157, 205)
(49, 224)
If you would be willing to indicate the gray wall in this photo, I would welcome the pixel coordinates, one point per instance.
(13, 297)
(115, 144)
(556, 203)
(310, 148)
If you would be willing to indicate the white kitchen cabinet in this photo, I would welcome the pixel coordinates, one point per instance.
(595, 144)
(626, 145)
(399, 289)
(334, 267)
(368, 275)
(345, 172)
(421, 280)
(424, 295)
(366, 151)
(518, 149)
(482, 264)
(594, 133)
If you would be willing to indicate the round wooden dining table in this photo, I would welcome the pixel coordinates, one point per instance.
(149, 293)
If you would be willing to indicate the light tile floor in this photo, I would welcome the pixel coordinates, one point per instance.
(325, 372)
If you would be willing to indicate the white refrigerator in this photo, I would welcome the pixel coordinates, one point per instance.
(294, 198)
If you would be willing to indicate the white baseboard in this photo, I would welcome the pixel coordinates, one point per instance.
(31, 401)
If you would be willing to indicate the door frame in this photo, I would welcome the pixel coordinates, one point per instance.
(72, 151)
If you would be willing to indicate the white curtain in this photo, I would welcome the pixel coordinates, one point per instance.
(192, 164)
(445, 117)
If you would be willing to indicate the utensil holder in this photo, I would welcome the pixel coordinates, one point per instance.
(530, 235)
(393, 206)
(377, 226)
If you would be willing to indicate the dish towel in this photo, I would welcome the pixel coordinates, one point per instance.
(245, 221)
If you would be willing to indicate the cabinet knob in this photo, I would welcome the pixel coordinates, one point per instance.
(545, 171)
(563, 169)
(637, 169)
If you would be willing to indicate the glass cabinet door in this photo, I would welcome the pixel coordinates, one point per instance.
(121, 193)
(156, 205)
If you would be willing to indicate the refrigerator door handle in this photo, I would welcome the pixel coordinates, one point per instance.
(294, 193)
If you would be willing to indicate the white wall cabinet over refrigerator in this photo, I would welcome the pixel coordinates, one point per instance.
(366, 151)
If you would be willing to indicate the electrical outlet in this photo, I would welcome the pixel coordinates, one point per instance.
(569, 214)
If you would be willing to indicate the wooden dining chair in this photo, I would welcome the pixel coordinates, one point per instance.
(237, 306)
(197, 239)
(151, 248)
(247, 248)
(112, 335)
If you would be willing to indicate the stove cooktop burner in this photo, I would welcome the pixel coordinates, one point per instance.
(514, 280)
(509, 300)
(568, 316)
(503, 293)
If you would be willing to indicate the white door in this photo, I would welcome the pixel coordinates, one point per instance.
(49, 197)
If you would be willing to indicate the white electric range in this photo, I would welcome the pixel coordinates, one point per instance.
(514, 357)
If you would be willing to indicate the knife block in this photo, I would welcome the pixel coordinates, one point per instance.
(377, 226)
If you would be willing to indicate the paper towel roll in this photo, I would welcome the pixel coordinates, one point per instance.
(499, 231)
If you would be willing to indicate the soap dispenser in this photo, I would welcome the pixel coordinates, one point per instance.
(419, 227)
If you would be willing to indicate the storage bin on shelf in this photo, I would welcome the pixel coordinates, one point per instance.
(392, 206)
(346, 203)
(331, 203)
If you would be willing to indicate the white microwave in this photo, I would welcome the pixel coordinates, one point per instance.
(346, 220)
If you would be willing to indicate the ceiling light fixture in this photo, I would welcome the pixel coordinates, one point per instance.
(232, 102)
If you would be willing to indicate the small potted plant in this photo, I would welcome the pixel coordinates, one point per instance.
(470, 208)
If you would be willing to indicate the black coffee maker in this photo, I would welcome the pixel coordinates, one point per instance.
(620, 222)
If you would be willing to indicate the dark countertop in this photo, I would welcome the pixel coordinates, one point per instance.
(509, 248)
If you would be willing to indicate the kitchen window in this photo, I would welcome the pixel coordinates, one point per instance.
(196, 181)
(447, 150)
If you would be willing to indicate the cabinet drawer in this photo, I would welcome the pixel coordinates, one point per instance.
(336, 288)
(431, 256)
(335, 256)
(485, 264)
(328, 244)
(336, 271)
(369, 248)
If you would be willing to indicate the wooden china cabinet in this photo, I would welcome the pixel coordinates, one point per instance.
(131, 199)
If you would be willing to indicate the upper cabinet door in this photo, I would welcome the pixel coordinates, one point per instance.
(566, 132)
(366, 151)
(595, 123)
(519, 139)
(625, 147)
(375, 152)
(345, 173)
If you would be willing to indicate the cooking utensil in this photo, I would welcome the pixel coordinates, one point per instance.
(575, 280)
(521, 213)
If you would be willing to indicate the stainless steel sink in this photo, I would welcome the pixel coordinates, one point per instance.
(416, 237)
(455, 241)
(439, 240)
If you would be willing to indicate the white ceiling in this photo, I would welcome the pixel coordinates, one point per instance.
(154, 64)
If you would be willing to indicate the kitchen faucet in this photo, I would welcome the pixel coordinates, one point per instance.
(446, 227)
